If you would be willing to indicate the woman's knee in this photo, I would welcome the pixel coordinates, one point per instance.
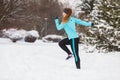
(60, 43)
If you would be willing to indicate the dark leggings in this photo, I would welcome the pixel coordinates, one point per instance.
(74, 46)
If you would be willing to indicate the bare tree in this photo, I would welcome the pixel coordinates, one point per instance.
(8, 8)
(50, 9)
(32, 14)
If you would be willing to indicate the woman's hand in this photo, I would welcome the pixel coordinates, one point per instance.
(92, 24)
(56, 17)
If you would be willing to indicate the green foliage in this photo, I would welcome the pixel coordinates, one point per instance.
(110, 12)
(106, 34)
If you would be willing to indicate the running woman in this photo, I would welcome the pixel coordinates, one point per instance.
(68, 24)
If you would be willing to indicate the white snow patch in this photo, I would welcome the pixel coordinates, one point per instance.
(46, 61)
(52, 36)
(33, 33)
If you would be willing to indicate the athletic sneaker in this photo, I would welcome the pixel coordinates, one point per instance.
(69, 56)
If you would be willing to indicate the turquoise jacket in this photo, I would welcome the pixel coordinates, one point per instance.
(70, 27)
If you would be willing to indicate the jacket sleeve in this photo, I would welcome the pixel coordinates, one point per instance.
(81, 22)
(58, 25)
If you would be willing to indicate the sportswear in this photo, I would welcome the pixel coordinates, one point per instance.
(70, 26)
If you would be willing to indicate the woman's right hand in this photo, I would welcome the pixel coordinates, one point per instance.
(56, 17)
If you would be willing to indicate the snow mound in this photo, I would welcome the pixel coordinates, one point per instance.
(16, 35)
(33, 33)
(52, 38)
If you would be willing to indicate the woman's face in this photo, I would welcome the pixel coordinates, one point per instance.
(64, 14)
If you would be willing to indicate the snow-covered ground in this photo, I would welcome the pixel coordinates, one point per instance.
(46, 61)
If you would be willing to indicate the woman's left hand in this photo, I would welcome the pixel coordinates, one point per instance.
(92, 24)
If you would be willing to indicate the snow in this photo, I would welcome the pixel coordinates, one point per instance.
(14, 33)
(51, 36)
(19, 34)
(33, 33)
(46, 61)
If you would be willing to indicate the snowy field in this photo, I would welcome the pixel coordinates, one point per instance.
(46, 61)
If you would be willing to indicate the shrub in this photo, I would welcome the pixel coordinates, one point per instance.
(16, 35)
(1, 33)
(31, 36)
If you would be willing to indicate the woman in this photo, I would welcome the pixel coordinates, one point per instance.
(68, 24)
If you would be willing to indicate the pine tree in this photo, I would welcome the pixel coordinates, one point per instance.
(106, 35)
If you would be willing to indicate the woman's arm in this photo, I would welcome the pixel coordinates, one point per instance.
(81, 22)
(59, 26)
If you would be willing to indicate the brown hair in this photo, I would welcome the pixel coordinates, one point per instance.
(68, 11)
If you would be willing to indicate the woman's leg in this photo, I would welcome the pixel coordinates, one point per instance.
(75, 49)
(63, 44)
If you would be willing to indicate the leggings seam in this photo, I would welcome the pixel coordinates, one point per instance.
(74, 51)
